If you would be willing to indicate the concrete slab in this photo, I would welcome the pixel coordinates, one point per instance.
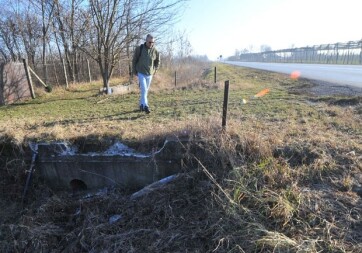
(63, 167)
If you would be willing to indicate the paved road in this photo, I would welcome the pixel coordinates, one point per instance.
(350, 75)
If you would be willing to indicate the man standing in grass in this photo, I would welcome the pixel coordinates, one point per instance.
(145, 62)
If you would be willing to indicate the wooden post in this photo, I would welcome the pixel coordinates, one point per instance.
(28, 77)
(225, 106)
(89, 72)
(39, 79)
(215, 74)
(65, 74)
(55, 73)
(45, 72)
(175, 78)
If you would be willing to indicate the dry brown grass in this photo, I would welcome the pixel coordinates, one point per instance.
(281, 178)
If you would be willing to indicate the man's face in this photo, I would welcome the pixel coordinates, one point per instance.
(150, 43)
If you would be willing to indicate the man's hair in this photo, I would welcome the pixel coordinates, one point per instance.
(149, 36)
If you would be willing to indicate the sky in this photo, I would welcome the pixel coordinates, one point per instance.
(220, 27)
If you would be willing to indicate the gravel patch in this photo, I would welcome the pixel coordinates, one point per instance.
(322, 88)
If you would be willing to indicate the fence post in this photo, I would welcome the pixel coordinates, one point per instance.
(175, 78)
(65, 74)
(89, 72)
(28, 77)
(45, 72)
(215, 74)
(225, 106)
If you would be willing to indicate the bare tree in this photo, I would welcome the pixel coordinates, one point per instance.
(265, 48)
(30, 34)
(104, 30)
(119, 23)
(19, 30)
(107, 18)
(8, 38)
(68, 18)
(46, 10)
(176, 49)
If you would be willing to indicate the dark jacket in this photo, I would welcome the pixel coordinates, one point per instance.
(145, 61)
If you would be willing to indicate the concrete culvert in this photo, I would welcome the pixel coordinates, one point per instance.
(78, 185)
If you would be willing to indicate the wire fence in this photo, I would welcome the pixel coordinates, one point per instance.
(338, 53)
(85, 70)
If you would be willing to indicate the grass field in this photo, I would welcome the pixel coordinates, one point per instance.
(285, 176)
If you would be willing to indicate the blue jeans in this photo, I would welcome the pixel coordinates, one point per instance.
(145, 83)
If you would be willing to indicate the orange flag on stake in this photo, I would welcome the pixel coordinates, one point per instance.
(258, 95)
(261, 93)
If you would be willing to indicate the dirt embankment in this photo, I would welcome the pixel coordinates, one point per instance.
(236, 193)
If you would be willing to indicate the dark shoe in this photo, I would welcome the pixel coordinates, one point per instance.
(147, 110)
(142, 108)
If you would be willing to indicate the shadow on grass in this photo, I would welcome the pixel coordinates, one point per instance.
(49, 101)
(84, 91)
(114, 117)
